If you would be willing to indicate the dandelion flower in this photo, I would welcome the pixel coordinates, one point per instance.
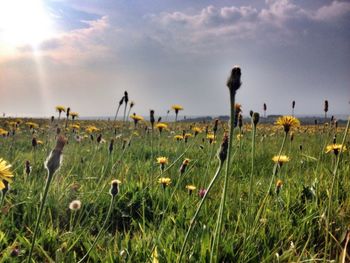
(280, 159)
(5, 173)
(178, 137)
(279, 185)
(165, 181)
(190, 188)
(160, 126)
(162, 160)
(176, 108)
(60, 108)
(3, 132)
(287, 122)
(336, 148)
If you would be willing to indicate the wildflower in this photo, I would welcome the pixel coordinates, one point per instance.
(210, 137)
(32, 125)
(178, 137)
(74, 114)
(136, 118)
(75, 205)
(162, 161)
(114, 187)
(160, 126)
(239, 136)
(336, 148)
(5, 173)
(196, 130)
(60, 109)
(176, 108)
(279, 185)
(165, 181)
(287, 122)
(184, 166)
(3, 132)
(280, 159)
(190, 188)
(202, 192)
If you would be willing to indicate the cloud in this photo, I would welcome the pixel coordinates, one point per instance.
(279, 21)
(75, 46)
(333, 11)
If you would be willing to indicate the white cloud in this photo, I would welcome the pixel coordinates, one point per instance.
(280, 21)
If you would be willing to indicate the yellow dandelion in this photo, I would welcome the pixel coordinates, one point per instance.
(161, 126)
(3, 132)
(162, 160)
(239, 136)
(178, 137)
(287, 122)
(336, 148)
(190, 187)
(5, 173)
(165, 181)
(74, 114)
(280, 159)
(136, 117)
(60, 108)
(177, 107)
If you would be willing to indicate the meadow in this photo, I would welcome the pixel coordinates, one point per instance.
(130, 191)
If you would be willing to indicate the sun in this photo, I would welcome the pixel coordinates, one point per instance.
(24, 22)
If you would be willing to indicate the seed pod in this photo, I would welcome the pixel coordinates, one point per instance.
(126, 97)
(234, 81)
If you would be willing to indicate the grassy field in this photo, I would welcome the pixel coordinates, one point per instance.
(295, 211)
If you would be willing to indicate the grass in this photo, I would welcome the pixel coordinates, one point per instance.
(149, 223)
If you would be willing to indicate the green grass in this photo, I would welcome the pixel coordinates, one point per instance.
(145, 217)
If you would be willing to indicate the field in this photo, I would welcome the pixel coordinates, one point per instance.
(293, 209)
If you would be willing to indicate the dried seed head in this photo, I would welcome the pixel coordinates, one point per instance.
(75, 205)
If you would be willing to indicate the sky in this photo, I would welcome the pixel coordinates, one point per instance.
(84, 54)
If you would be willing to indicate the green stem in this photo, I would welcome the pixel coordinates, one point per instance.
(224, 192)
(46, 190)
(101, 230)
(198, 210)
(332, 186)
(252, 172)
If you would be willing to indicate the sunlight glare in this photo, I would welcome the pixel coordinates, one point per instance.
(24, 22)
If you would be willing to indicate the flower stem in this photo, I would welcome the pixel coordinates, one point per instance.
(218, 228)
(100, 232)
(332, 186)
(198, 210)
(46, 190)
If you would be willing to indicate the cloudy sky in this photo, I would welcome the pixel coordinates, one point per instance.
(84, 54)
